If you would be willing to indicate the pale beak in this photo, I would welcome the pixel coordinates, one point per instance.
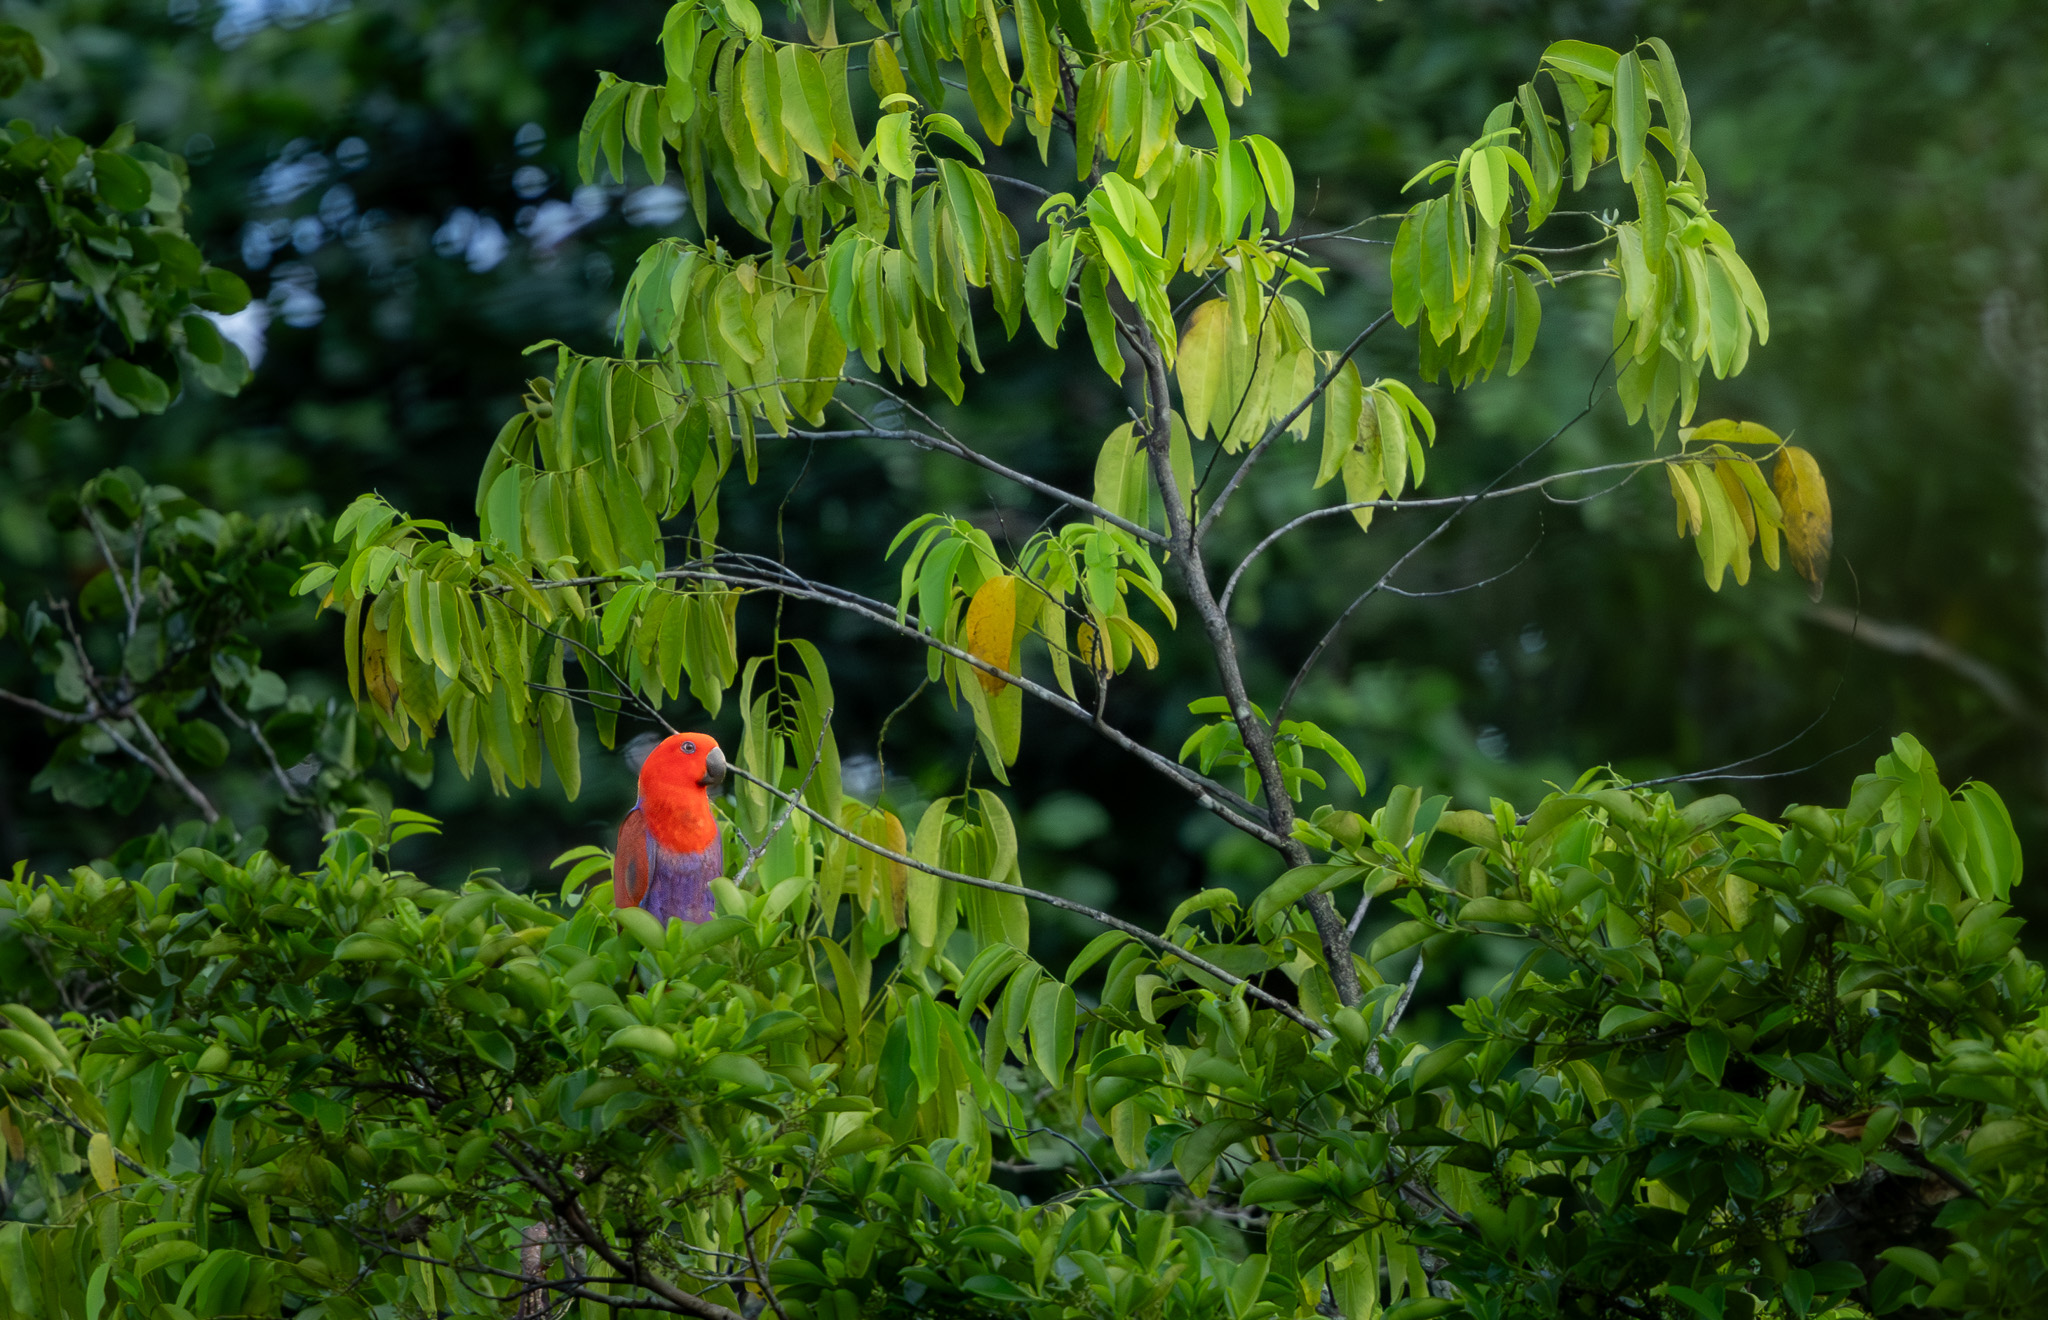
(714, 769)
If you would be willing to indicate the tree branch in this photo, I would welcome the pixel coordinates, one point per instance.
(1437, 502)
(961, 451)
(1252, 731)
(755, 850)
(1207, 793)
(48, 712)
(1136, 932)
(1903, 639)
(1462, 503)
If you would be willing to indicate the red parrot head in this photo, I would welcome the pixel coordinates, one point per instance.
(682, 761)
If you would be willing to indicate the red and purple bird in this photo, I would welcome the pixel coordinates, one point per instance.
(669, 850)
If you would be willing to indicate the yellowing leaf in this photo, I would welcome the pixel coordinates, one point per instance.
(1088, 645)
(1204, 345)
(99, 1152)
(886, 830)
(1148, 650)
(1809, 521)
(377, 675)
(1341, 404)
(992, 628)
(1687, 498)
(1734, 432)
(1738, 495)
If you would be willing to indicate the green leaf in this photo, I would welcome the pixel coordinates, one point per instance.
(1278, 177)
(122, 183)
(139, 387)
(1584, 59)
(893, 145)
(1293, 886)
(1406, 935)
(1631, 114)
(1052, 1029)
(1195, 1156)
(493, 1048)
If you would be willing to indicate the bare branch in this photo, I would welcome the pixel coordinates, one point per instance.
(1904, 639)
(1136, 932)
(961, 451)
(1372, 1055)
(1462, 503)
(1448, 502)
(1207, 793)
(277, 770)
(1256, 737)
(163, 765)
(1358, 916)
(48, 712)
(1463, 587)
(130, 599)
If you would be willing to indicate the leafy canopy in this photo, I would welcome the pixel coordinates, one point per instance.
(347, 1090)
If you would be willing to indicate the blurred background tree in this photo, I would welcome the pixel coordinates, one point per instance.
(396, 181)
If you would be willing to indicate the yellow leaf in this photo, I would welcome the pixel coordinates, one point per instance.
(1740, 433)
(1148, 650)
(992, 628)
(1809, 521)
(1204, 346)
(1088, 645)
(377, 675)
(1738, 497)
(1686, 497)
(885, 829)
(99, 1152)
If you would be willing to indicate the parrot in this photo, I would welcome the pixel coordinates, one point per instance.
(669, 849)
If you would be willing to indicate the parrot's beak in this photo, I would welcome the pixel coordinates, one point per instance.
(714, 769)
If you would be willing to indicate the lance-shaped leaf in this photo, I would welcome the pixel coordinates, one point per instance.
(991, 628)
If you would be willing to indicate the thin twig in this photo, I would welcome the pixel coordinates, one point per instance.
(958, 450)
(1462, 503)
(1358, 916)
(1372, 1055)
(49, 712)
(754, 851)
(1450, 502)
(1051, 900)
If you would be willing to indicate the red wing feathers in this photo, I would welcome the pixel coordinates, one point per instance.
(632, 862)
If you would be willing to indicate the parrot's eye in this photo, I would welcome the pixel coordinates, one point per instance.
(689, 747)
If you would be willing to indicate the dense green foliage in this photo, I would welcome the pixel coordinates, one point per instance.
(349, 1088)
(158, 642)
(104, 289)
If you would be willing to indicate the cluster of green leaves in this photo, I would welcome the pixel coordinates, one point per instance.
(1221, 742)
(159, 641)
(1688, 299)
(344, 1089)
(439, 629)
(104, 292)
